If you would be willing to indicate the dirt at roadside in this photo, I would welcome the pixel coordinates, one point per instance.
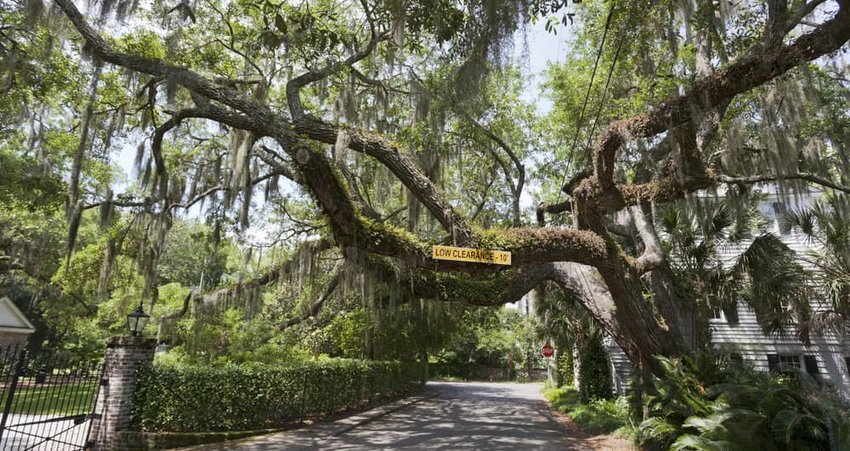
(579, 439)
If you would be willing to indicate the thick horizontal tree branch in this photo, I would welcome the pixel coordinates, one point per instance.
(258, 118)
(553, 209)
(581, 281)
(665, 189)
(741, 76)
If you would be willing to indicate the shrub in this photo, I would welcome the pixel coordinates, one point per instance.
(178, 397)
(565, 374)
(594, 372)
(704, 402)
(601, 416)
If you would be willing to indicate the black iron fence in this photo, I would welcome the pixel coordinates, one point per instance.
(471, 371)
(476, 372)
(48, 402)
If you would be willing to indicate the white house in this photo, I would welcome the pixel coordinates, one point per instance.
(828, 356)
(15, 328)
(825, 358)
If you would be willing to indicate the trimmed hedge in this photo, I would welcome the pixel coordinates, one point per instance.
(195, 398)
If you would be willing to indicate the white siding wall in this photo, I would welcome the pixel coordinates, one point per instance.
(747, 339)
(621, 367)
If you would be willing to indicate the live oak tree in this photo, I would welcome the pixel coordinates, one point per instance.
(383, 110)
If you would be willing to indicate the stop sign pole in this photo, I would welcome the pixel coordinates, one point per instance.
(548, 351)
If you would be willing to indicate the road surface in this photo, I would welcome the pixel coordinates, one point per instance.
(42, 432)
(487, 416)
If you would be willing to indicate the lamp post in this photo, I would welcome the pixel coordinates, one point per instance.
(137, 320)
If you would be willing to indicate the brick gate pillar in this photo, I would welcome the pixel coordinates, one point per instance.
(115, 399)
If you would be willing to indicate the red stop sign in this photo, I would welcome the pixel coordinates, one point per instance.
(548, 350)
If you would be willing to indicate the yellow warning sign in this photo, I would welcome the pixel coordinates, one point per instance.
(465, 254)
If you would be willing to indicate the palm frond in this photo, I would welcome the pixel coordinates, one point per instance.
(710, 425)
(802, 219)
(657, 428)
(698, 442)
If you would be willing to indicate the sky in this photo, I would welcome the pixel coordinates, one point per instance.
(542, 48)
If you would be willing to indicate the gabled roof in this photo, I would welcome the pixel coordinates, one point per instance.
(11, 318)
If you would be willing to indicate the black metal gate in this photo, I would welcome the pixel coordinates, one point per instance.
(48, 403)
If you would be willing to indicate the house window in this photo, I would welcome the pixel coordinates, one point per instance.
(736, 358)
(716, 313)
(789, 361)
(811, 362)
(782, 363)
(786, 363)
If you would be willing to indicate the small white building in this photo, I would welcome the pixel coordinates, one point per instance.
(15, 328)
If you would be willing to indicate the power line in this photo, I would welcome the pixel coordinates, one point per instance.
(580, 121)
(608, 80)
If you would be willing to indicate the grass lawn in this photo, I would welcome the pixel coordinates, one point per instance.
(597, 417)
(48, 399)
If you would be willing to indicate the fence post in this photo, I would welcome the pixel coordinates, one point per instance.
(10, 395)
(124, 355)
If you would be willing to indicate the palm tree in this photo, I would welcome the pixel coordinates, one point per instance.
(827, 226)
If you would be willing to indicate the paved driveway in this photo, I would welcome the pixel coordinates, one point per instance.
(39, 434)
(486, 416)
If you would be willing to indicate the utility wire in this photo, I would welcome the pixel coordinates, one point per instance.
(621, 39)
(580, 121)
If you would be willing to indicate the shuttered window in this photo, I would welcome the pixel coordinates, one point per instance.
(789, 361)
(736, 358)
(811, 364)
(773, 362)
(783, 363)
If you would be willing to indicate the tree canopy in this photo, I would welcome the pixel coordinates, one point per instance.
(356, 135)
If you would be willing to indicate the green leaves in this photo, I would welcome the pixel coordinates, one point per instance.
(25, 184)
(312, 31)
(706, 403)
